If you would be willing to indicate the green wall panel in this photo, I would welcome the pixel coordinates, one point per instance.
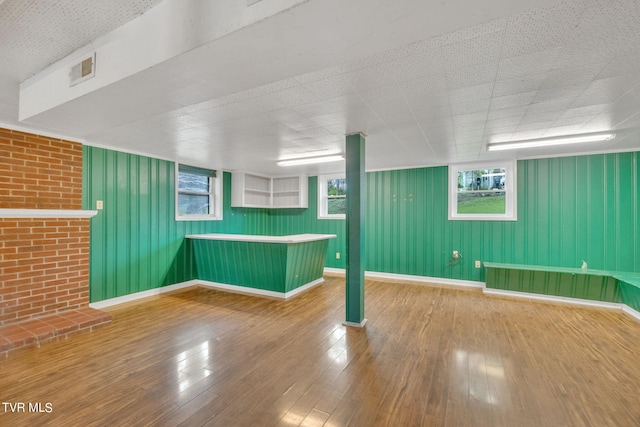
(136, 244)
(250, 264)
(569, 209)
(277, 267)
(305, 263)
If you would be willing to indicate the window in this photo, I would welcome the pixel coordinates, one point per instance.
(332, 197)
(483, 191)
(198, 194)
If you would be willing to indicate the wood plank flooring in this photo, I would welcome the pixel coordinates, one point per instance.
(429, 356)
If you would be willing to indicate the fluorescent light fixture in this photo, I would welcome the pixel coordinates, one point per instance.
(310, 160)
(544, 142)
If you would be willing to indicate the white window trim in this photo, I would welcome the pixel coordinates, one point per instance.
(323, 197)
(215, 199)
(511, 198)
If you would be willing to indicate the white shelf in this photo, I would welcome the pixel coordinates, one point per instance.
(250, 190)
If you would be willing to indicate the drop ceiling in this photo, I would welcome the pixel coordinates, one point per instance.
(427, 83)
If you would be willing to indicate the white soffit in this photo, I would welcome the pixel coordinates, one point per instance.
(224, 40)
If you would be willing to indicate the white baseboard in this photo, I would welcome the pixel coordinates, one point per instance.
(630, 311)
(424, 279)
(332, 270)
(190, 283)
(553, 298)
(139, 295)
(410, 278)
(355, 324)
(260, 292)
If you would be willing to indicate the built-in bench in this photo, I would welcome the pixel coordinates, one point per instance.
(630, 290)
(599, 287)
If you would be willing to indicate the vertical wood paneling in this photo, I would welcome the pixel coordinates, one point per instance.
(136, 244)
(569, 209)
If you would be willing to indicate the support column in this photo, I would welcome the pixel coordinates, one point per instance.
(356, 192)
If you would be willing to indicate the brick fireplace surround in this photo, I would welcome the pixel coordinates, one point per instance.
(44, 242)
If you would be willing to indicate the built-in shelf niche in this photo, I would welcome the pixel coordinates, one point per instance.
(250, 190)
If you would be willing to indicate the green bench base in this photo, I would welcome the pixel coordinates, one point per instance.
(599, 286)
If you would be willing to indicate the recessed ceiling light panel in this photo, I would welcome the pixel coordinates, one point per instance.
(310, 160)
(544, 142)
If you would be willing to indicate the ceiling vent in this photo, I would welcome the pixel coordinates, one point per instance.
(83, 70)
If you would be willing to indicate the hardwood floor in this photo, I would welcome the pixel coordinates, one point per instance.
(429, 356)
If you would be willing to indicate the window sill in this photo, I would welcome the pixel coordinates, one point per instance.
(337, 216)
(199, 218)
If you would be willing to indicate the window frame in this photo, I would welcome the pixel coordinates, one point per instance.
(323, 197)
(215, 196)
(510, 191)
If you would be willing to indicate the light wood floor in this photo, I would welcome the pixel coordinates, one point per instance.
(429, 356)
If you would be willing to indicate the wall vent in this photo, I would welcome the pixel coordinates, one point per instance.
(83, 70)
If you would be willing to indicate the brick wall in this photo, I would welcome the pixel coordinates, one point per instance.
(44, 262)
(44, 267)
(38, 172)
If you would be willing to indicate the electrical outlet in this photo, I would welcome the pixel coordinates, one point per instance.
(478, 264)
(337, 255)
(99, 204)
(456, 254)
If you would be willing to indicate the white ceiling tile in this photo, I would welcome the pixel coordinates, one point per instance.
(469, 94)
(525, 65)
(503, 113)
(562, 131)
(469, 107)
(604, 91)
(381, 95)
(508, 101)
(473, 52)
(542, 28)
(504, 122)
(554, 107)
(568, 94)
(539, 117)
(332, 86)
(425, 85)
(468, 118)
(523, 84)
(631, 122)
(459, 77)
(467, 126)
(564, 121)
(471, 139)
(599, 124)
(532, 131)
(465, 34)
(294, 96)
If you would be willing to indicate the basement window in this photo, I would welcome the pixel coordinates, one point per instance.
(483, 191)
(332, 197)
(198, 194)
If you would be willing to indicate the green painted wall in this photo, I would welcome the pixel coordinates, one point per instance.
(569, 209)
(136, 244)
